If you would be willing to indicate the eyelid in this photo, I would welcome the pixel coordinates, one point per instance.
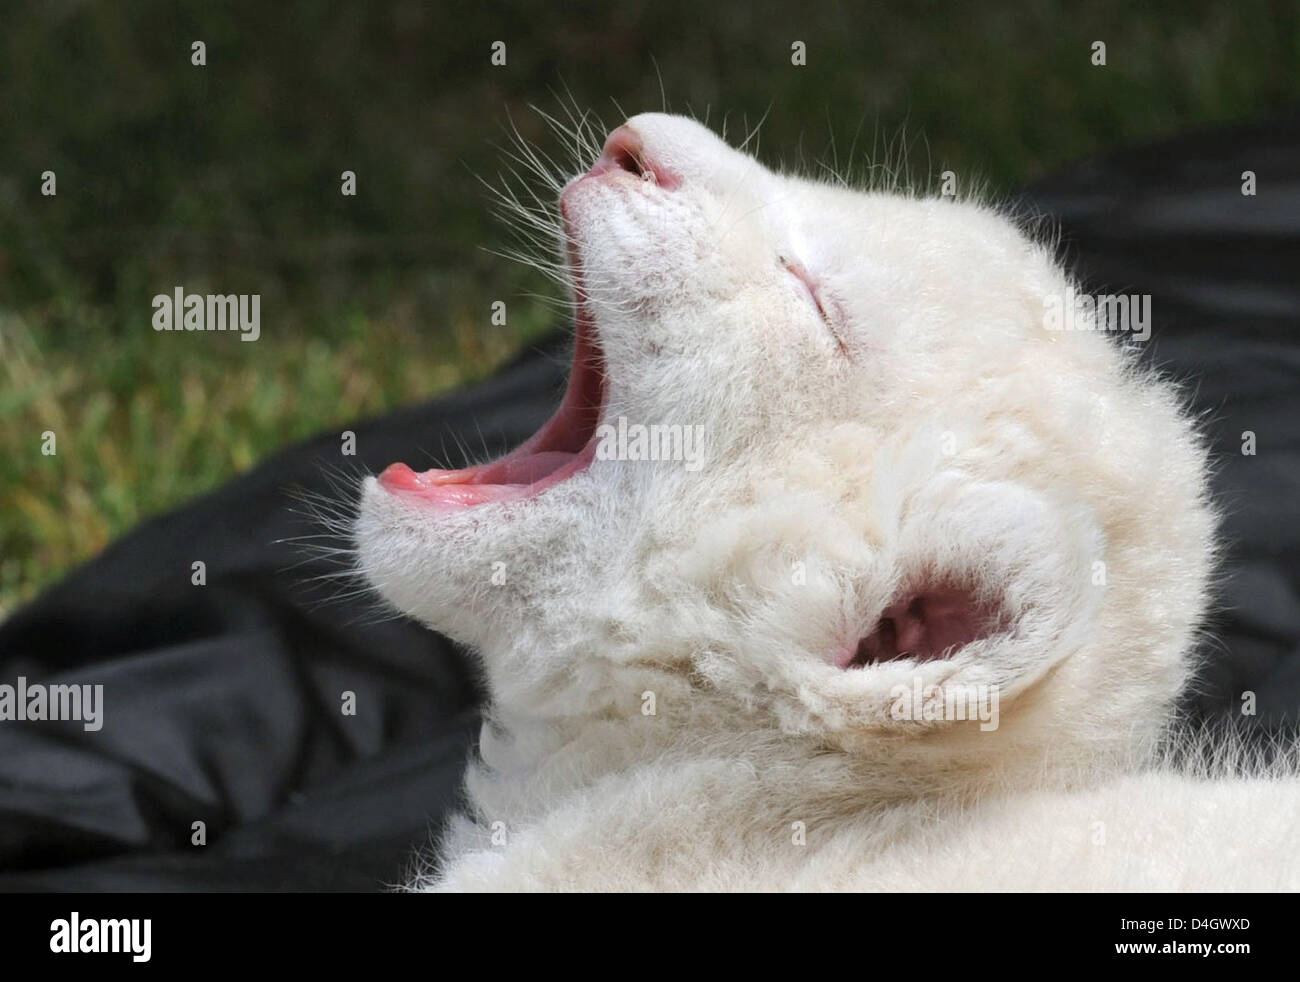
(800, 272)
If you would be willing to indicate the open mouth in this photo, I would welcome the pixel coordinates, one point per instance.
(563, 447)
(566, 443)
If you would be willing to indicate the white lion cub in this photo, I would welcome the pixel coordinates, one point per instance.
(837, 567)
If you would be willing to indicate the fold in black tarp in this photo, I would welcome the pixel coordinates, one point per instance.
(223, 701)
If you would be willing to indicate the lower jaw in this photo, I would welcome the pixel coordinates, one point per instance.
(445, 491)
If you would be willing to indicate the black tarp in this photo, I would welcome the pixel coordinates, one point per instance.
(223, 700)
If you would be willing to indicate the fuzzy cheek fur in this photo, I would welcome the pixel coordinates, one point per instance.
(907, 483)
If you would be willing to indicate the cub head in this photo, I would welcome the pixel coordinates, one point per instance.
(823, 463)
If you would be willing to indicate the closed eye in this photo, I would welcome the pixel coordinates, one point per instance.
(800, 272)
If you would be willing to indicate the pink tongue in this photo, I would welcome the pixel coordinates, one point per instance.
(525, 469)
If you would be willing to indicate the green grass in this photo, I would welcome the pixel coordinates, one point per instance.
(225, 179)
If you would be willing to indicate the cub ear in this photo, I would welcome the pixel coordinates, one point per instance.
(993, 584)
(930, 620)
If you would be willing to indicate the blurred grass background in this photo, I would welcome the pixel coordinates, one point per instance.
(225, 179)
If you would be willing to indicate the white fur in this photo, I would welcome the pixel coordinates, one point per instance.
(958, 436)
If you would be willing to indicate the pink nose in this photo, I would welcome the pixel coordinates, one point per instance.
(625, 150)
